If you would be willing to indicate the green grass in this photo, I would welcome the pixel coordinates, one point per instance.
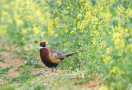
(5, 70)
(102, 28)
(1, 59)
(81, 81)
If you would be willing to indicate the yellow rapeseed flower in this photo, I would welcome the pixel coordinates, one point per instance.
(65, 11)
(3, 29)
(115, 70)
(107, 58)
(2, 32)
(94, 41)
(73, 31)
(56, 35)
(36, 30)
(100, 27)
(108, 50)
(131, 47)
(58, 1)
(57, 19)
(79, 16)
(103, 88)
(119, 9)
(19, 22)
(3, 13)
(23, 31)
(50, 32)
(74, 21)
(68, 7)
(79, 54)
(51, 24)
(79, 25)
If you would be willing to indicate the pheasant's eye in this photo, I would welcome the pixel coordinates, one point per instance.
(43, 43)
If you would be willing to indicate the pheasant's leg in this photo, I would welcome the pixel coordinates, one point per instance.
(52, 69)
(56, 68)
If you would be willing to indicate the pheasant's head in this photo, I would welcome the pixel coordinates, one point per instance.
(42, 44)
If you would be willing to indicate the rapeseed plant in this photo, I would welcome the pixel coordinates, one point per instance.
(103, 28)
(115, 70)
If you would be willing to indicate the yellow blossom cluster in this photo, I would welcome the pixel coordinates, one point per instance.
(115, 70)
(3, 29)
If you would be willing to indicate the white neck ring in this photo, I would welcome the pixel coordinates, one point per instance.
(41, 47)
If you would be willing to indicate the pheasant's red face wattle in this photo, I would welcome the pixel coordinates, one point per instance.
(43, 43)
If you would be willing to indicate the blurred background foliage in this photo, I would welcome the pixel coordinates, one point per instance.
(102, 27)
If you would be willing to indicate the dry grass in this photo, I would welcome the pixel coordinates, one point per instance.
(45, 73)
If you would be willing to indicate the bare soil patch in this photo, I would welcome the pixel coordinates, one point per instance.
(10, 59)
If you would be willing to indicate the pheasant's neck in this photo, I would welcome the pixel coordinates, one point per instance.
(41, 47)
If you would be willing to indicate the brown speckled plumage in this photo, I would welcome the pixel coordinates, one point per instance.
(50, 57)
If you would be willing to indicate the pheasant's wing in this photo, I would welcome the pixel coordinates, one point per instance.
(56, 54)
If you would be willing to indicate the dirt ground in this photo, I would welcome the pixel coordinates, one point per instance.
(16, 62)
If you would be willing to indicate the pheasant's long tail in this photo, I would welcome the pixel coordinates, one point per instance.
(71, 53)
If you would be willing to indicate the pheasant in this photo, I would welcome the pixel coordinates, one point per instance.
(50, 57)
